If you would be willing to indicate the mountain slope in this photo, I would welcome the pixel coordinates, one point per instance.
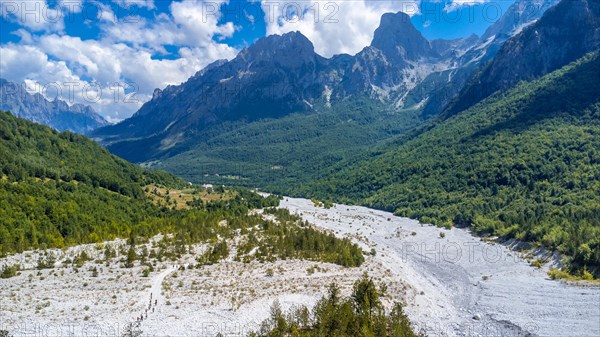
(440, 88)
(565, 33)
(518, 16)
(58, 189)
(277, 153)
(56, 114)
(522, 164)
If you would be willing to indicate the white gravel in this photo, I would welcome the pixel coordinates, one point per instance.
(464, 286)
(230, 297)
(454, 286)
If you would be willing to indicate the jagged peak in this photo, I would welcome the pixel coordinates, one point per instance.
(292, 40)
(397, 38)
(291, 50)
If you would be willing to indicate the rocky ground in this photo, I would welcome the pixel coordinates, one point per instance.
(101, 298)
(454, 285)
(464, 286)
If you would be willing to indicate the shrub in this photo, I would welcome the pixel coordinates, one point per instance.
(132, 330)
(334, 315)
(9, 271)
(558, 274)
(46, 262)
(537, 263)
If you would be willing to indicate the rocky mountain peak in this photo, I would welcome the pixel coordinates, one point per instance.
(290, 49)
(398, 39)
(156, 94)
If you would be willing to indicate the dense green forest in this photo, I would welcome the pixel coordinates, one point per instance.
(360, 315)
(276, 153)
(523, 164)
(61, 189)
(58, 189)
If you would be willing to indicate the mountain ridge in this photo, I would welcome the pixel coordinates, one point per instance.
(58, 114)
(565, 33)
(276, 76)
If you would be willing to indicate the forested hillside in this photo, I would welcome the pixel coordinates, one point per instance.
(29, 150)
(277, 153)
(61, 189)
(522, 164)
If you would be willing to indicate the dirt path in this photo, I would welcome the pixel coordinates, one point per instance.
(463, 285)
(154, 300)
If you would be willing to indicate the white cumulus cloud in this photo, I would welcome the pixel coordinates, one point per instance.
(334, 27)
(35, 15)
(124, 59)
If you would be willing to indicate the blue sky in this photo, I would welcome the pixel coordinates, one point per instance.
(114, 48)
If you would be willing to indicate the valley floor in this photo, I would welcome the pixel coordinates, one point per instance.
(455, 285)
(464, 285)
(230, 297)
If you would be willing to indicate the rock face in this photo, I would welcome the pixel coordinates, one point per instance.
(56, 114)
(280, 75)
(519, 15)
(399, 41)
(564, 34)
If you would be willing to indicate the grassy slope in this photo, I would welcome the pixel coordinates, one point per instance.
(522, 164)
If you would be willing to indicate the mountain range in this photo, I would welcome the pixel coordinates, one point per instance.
(275, 77)
(57, 114)
(403, 78)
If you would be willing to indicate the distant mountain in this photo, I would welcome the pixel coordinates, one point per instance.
(400, 41)
(56, 114)
(565, 33)
(273, 78)
(398, 58)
